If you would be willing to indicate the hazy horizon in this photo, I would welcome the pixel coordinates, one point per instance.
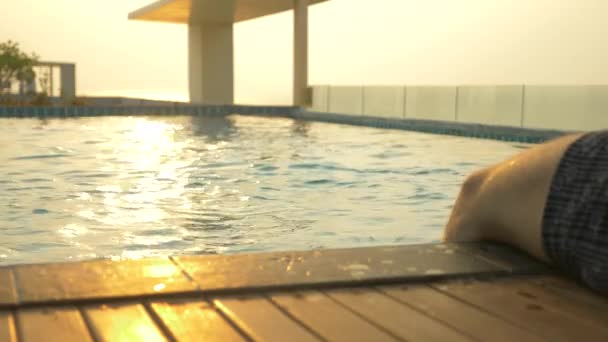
(351, 42)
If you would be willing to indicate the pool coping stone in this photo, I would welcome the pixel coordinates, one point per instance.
(97, 280)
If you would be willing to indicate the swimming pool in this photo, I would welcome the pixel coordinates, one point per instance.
(130, 187)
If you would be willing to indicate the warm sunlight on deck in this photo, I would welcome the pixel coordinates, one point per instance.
(485, 293)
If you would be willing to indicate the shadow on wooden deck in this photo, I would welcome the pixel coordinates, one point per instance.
(455, 292)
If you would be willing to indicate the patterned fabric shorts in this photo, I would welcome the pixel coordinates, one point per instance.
(575, 222)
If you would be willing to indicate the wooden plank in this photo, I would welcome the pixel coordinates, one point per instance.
(7, 327)
(476, 323)
(261, 320)
(329, 319)
(526, 312)
(195, 320)
(339, 266)
(503, 256)
(570, 305)
(99, 279)
(52, 324)
(568, 288)
(8, 295)
(400, 319)
(122, 323)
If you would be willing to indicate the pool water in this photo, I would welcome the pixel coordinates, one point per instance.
(131, 187)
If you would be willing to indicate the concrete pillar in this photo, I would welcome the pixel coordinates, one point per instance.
(51, 79)
(68, 82)
(211, 63)
(300, 53)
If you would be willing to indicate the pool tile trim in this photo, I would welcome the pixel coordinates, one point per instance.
(471, 130)
(505, 133)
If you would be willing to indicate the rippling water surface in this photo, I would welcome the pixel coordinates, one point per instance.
(129, 187)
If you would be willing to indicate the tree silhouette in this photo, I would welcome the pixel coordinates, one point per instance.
(15, 66)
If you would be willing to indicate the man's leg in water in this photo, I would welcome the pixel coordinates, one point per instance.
(505, 202)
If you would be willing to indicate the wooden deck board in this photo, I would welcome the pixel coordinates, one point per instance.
(568, 288)
(99, 279)
(525, 311)
(262, 320)
(56, 324)
(358, 265)
(436, 292)
(572, 306)
(502, 256)
(329, 319)
(128, 322)
(7, 327)
(396, 317)
(194, 319)
(475, 323)
(8, 293)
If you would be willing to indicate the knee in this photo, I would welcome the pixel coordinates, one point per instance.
(465, 222)
(473, 184)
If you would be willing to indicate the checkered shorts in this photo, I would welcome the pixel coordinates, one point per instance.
(575, 222)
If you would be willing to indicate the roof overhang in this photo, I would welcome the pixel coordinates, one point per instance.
(211, 11)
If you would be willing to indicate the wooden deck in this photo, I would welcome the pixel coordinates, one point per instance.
(465, 292)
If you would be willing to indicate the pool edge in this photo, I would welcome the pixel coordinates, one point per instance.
(96, 280)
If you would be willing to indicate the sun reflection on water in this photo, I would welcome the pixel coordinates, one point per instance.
(150, 150)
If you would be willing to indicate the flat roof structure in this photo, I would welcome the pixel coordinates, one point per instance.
(213, 11)
(210, 41)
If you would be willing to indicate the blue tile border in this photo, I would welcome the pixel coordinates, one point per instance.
(513, 134)
(503, 133)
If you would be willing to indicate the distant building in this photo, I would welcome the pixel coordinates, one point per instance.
(43, 80)
(67, 79)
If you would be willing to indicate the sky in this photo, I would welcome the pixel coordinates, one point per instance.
(352, 42)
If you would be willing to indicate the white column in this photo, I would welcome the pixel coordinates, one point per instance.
(51, 79)
(68, 82)
(300, 53)
(211, 63)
